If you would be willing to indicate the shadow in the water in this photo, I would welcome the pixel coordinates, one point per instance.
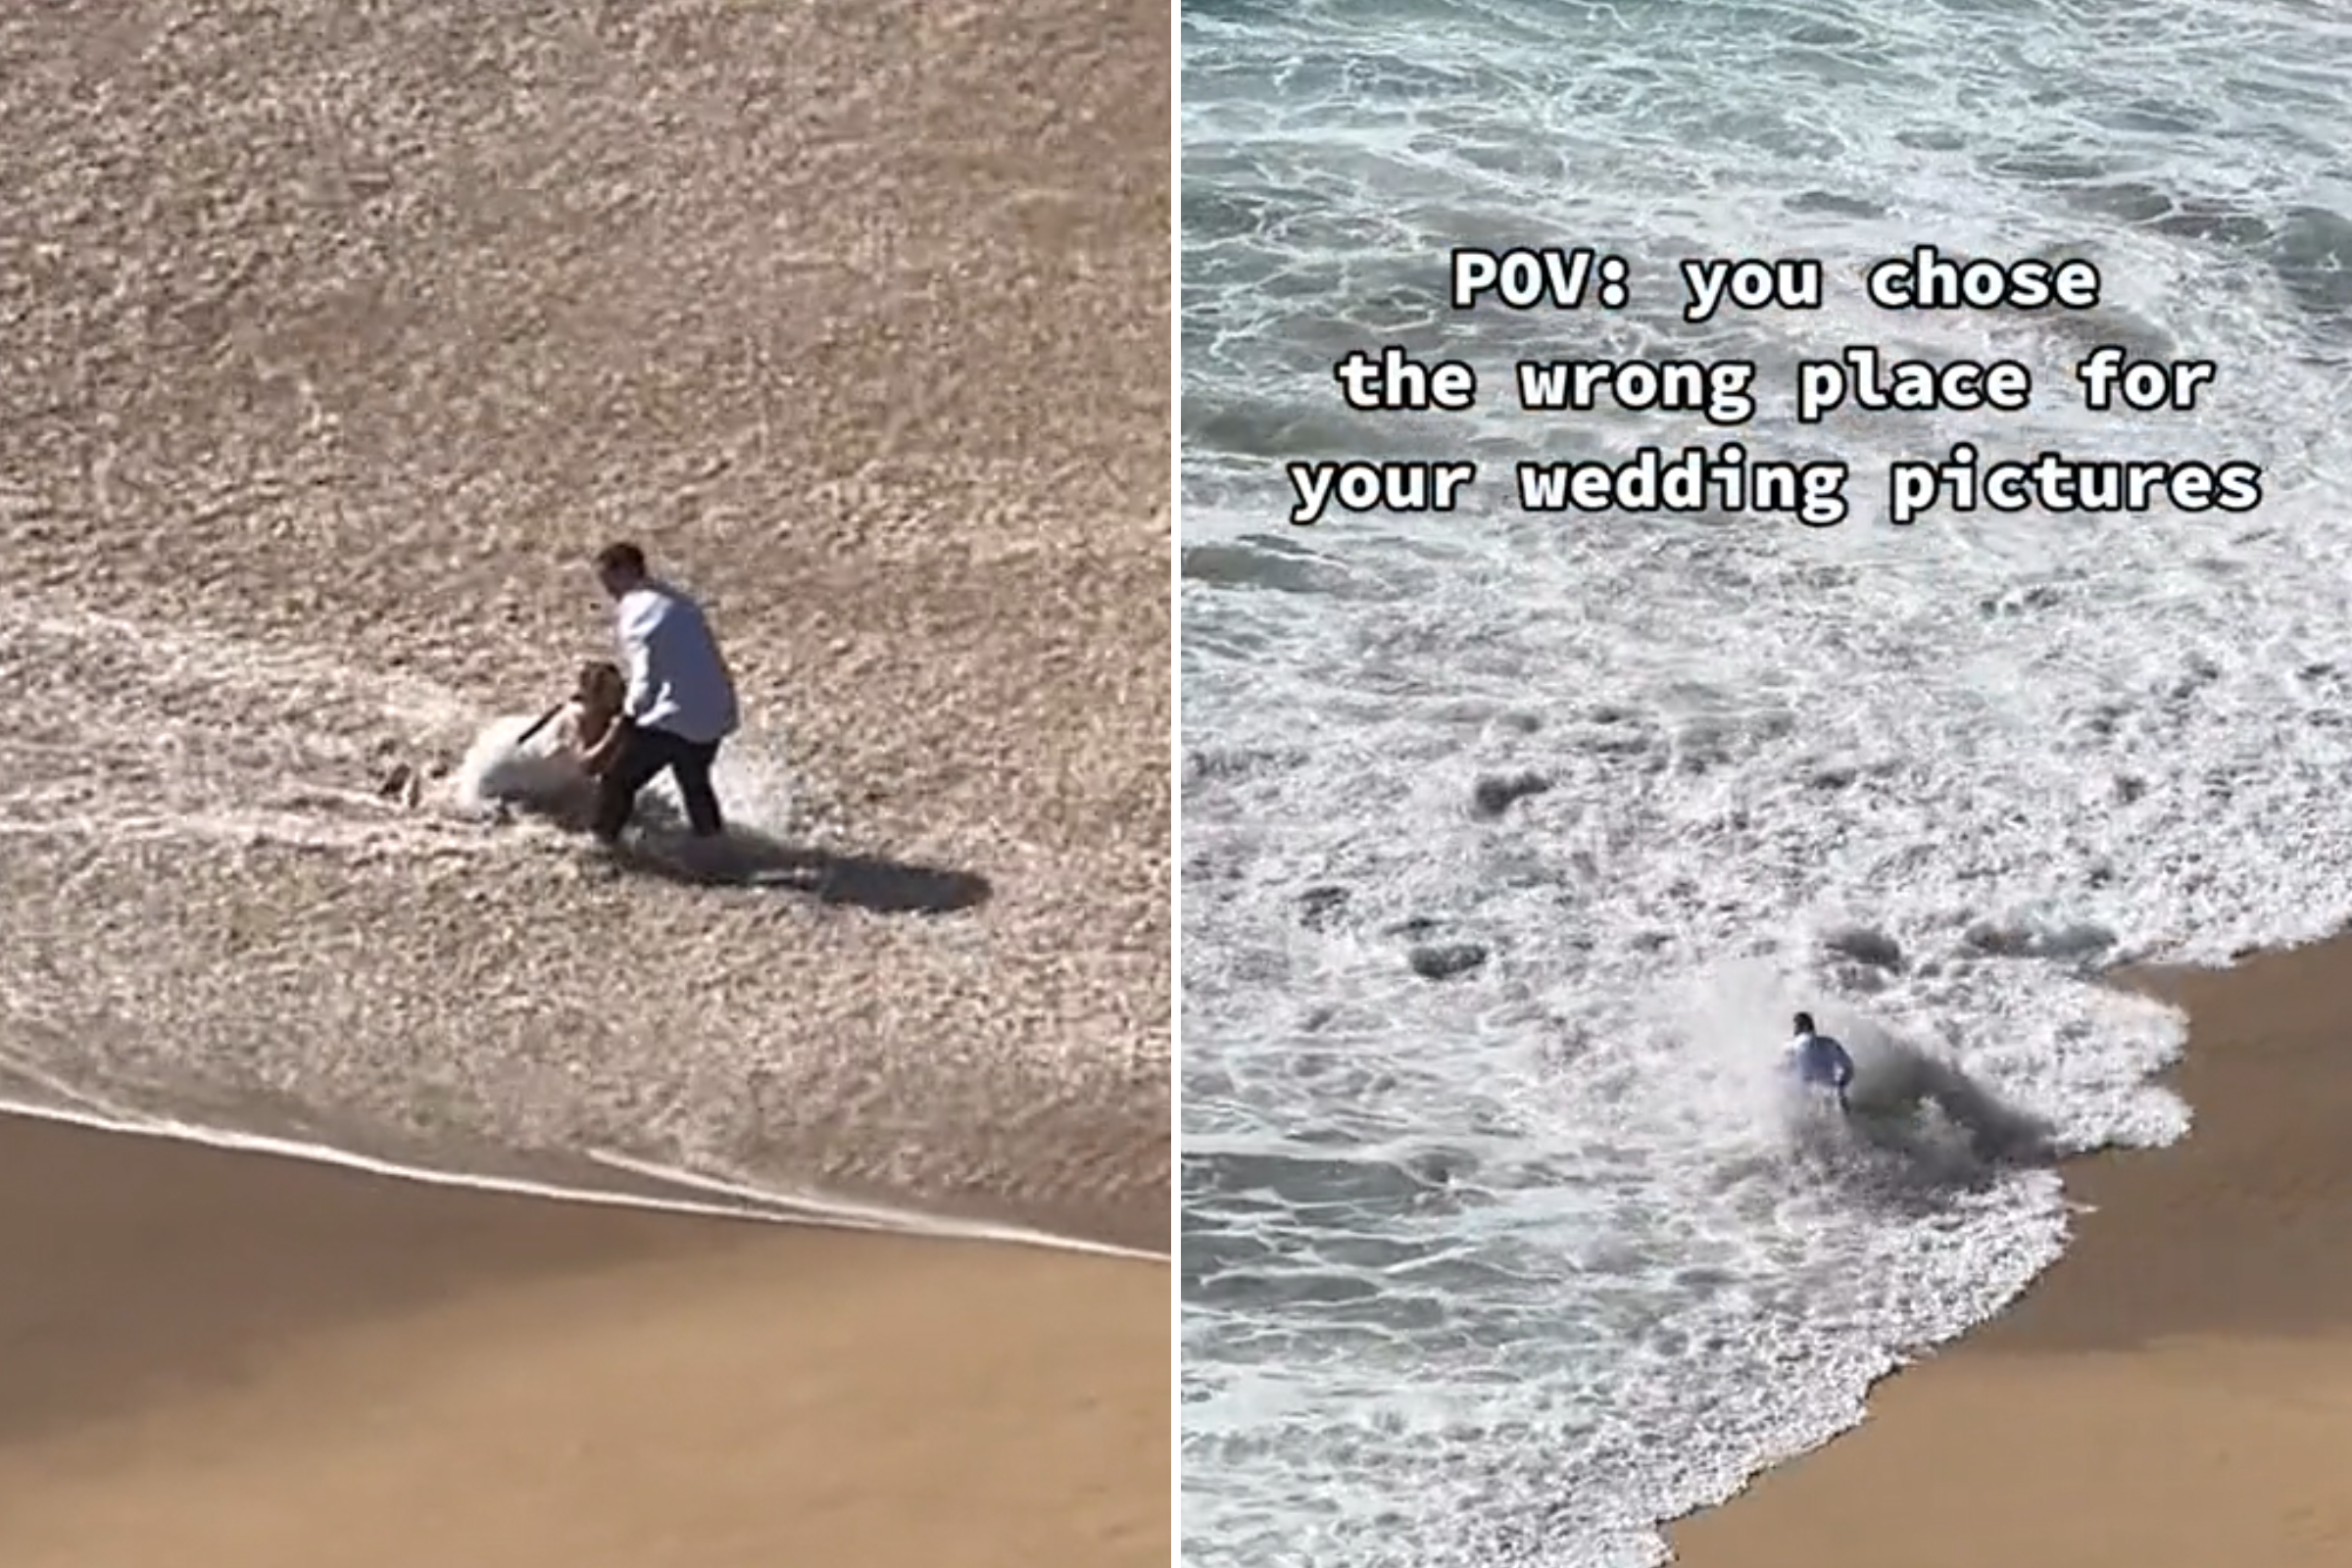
(1919, 1128)
(747, 858)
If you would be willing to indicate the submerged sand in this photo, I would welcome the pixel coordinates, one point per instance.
(2177, 1392)
(337, 337)
(229, 1360)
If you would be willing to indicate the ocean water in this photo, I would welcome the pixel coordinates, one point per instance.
(1511, 1266)
(216, 929)
(335, 340)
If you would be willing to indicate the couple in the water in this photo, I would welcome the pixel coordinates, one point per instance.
(665, 708)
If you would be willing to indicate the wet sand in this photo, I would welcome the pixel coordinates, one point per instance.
(232, 1359)
(2177, 1392)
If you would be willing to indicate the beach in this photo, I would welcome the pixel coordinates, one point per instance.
(2177, 1390)
(222, 1358)
(339, 344)
(1516, 836)
(339, 340)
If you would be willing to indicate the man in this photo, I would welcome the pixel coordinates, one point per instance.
(680, 703)
(1821, 1062)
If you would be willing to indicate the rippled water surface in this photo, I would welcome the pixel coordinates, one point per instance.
(1509, 1266)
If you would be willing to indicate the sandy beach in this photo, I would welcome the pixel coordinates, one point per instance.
(218, 1359)
(2177, 1392)
(338, 340)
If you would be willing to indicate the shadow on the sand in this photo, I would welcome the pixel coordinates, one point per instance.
(745, 859)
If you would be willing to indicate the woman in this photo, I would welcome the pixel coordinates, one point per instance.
(549, 768)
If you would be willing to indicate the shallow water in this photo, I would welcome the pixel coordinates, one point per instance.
(1511, 1266)
(219, 929)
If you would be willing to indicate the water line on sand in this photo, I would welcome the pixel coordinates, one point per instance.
(743, 1202)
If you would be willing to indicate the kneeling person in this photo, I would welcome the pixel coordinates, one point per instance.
(589, 728)
(548, 767)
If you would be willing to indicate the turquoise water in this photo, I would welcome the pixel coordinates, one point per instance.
(1509, 1267)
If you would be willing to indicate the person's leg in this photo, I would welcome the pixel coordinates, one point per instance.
(690, 765)
(644, 754)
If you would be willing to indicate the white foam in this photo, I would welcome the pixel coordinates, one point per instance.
(150, 761)
(1575, 1268)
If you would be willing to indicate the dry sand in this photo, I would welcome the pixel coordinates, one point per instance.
(337, 336)
(225, 1359)
(2177, 1392)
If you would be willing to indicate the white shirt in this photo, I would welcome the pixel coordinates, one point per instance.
(678, 681)
(1819, 1060)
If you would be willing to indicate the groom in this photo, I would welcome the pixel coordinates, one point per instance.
(680, 703)
(1820, 1062)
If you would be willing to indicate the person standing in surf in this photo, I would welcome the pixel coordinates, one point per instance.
(680, 703)
(1821, 1062)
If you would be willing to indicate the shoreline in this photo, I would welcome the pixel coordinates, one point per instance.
(2176, 1391)
(655, 1191)
(216, 1358)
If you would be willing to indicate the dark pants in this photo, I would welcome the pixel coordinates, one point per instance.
(643, 755)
